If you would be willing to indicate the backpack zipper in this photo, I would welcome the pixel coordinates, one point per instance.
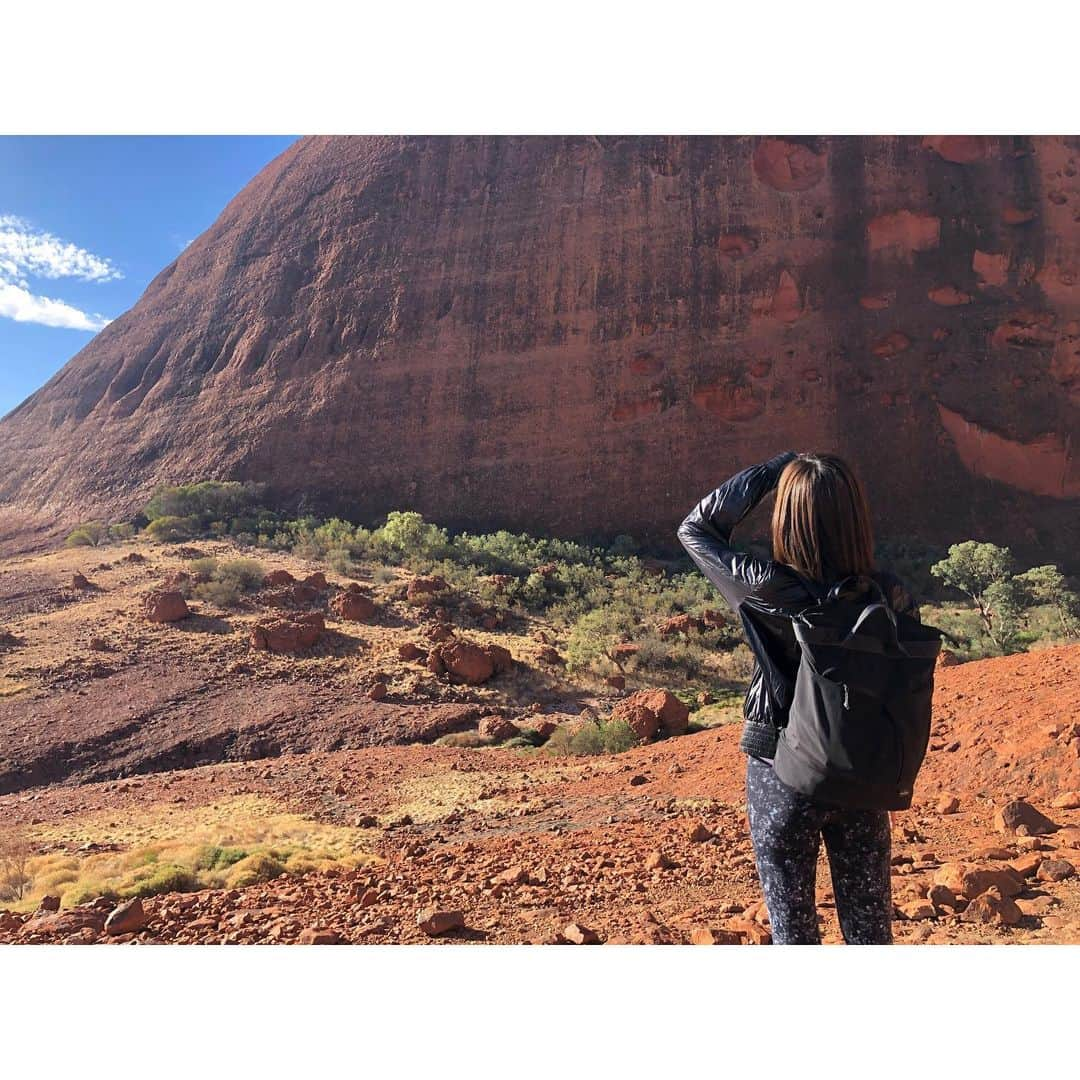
(845, 686)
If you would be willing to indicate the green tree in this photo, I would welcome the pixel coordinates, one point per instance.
(1048, 585)
(974, 568)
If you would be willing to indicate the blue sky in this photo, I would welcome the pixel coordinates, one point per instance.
(85, 224)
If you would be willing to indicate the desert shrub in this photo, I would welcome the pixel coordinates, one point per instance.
(594, 634)
(617, 736)
(590, 738)
(527, 737)
(85, 890)
(255, 869)
(229, 580)
(206, 501)
(157, 878)
(341, 561)
(217, 857)
(469, 740)
(89, 534)
(53, 882)
(16, 851)
(406, 536)
(170, 528)
(122, 530)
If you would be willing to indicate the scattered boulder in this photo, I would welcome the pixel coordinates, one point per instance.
(616, 682)
(658, 861)
(165, 606)
(916, 910)
(302, 594)
(497, 728)
(650, 711)
(1068, 800)
(576, 934)
(78, 581)
(1027, 865)
(434, 921)
(278, 577)
(1055, 870)
(994, 854)
(410, 651)
(543, 728)
(943, 899)
(991, 908)
(128, 918)
(947, 658)
(977, 880)
(948, 804)
(293, 635)
(698, 833)
(354, 605)
(377, 691)
(1020, 814)
(707, 935)
(65, 922)
(750, 932)
(49, 903)
(314, 936)
(549, 655)
(316, 581)
(424, 589)
(467, 662)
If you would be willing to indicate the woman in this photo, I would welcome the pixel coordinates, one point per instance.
(821, 532)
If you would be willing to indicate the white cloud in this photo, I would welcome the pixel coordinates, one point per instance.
(26, 252)
(40, 253)
(18, 303)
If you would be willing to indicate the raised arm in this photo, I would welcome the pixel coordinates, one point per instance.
(706, 530)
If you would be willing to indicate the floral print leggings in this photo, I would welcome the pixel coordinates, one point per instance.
(786, 828)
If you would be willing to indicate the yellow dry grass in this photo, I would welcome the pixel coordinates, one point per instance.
(163, 848)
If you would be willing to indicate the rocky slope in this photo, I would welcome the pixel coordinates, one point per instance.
(118, 732)
(569, 334)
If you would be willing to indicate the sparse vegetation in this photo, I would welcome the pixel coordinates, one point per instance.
(224, 582)
(96, 533)
(591, 737)
(608, 600)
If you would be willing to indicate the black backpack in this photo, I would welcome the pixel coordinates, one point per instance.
(859, 721)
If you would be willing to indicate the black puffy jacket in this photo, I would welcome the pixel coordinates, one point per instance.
(765, 595)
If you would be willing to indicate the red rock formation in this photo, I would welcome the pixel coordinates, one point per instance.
(577, 334)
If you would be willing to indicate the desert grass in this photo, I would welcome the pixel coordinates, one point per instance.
(159, 848)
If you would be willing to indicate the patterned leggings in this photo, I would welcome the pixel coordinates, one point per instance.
(786, 828)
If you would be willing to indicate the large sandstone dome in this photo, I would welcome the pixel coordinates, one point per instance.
(580, 335)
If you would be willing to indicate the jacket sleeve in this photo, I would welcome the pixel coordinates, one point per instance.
(706, 530)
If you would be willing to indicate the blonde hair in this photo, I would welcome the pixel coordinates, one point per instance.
(821, 520)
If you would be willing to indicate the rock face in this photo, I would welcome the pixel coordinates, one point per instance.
(488, 329)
